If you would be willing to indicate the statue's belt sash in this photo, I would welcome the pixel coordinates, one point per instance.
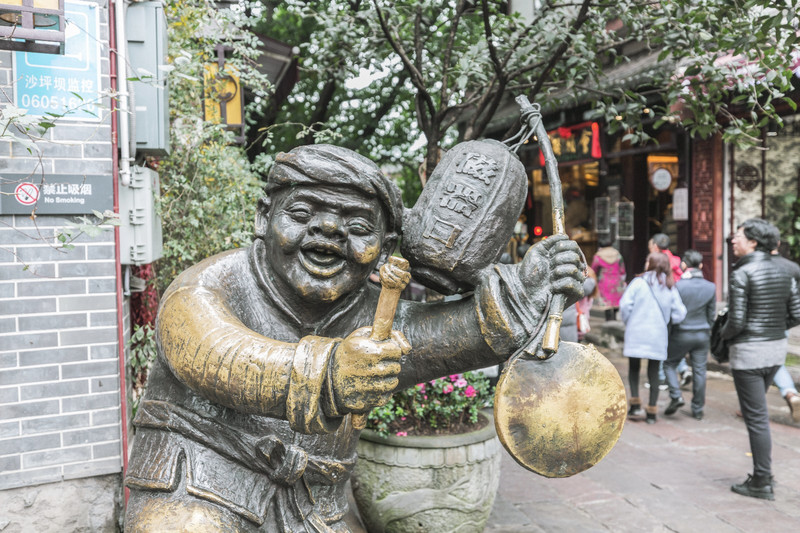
(289, 468)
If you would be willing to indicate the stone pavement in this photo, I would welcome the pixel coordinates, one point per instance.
(672, 476)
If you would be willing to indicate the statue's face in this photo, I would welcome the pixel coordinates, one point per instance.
(322, 242)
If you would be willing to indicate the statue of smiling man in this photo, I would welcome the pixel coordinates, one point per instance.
(265, 354)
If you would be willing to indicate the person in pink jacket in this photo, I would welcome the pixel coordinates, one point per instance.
(609, 266)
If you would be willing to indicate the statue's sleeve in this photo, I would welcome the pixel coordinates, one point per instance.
(212, 352)
(475, 332)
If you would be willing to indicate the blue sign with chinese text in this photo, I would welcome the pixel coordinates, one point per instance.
(66, 84)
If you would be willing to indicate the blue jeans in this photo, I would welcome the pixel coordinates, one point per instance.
(696, 344)
(751, 387)
(783, 380)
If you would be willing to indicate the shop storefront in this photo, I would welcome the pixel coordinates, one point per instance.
(613, 193)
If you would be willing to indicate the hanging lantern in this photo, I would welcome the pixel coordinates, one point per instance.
(223, 102)
(32, 26)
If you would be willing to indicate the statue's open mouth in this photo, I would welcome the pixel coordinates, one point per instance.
(322, 259)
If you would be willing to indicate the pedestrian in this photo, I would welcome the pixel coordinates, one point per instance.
(693, 335)
(763, 302)
(609, 266)
(783, 379)
(660, 243)
(650, 303)
(571, 316)
(584, 305)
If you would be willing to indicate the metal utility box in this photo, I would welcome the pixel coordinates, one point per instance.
(140, 240)
(146, 32)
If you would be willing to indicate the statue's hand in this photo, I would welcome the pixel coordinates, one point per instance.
(556, 261)
(364, 371)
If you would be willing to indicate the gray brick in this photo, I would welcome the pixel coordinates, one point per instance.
(53, 150)
(7, 464)
(93, 468)
(54, 355)
(45, 322)
(97, 150)
(8, 360)
(102, 285)
(108, 318)
(51, 390)
(28, 306)
(77, 132)
(26, 236)
(91, 302)
(106, 235)
(83, 166)
(28, 375)
(90, 402)
(9, 395)
(30, 444)
(50, 424)
(34, 271)
(7, 325)
(42, 221)
(81, 370)
(9, 429)
(26, 478)
(91, 435)
(6, 290)
(86, 270)
(57, 457)
(34, 254)
(109, 449)
(88, 336)
(54, 287)
(28, 340)
(28, 409)
(106, 417)
(106, 351)
(100, 252)
(100, 385)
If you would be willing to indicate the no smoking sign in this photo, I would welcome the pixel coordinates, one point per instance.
(26, 193)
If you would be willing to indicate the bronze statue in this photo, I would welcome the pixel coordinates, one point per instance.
(265, 355)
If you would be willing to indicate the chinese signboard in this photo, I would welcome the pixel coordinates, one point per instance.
(21, 194)
(575, 143)
(68, 84)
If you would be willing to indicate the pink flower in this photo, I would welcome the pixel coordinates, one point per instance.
(402, 418)
(469, 392)
(402, 434)
(461, 383)
(421, 387)
(424, 397)
(447, 389)
(454, 377)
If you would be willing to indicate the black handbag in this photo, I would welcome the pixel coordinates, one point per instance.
(719, 347)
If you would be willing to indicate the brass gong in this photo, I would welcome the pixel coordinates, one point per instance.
(559, 406)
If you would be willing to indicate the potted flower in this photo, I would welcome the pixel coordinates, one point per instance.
(429, 459)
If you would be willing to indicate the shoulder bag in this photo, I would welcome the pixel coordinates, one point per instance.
(719, 347)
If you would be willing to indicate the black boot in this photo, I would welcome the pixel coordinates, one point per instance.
(636, 410)
(674, 405)
(651, 414)
(755, 487)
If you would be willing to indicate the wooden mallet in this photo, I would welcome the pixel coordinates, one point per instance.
(395, 275)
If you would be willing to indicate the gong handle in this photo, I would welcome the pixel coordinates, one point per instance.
(553, 328)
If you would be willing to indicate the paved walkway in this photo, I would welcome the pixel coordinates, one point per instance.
(672, 476)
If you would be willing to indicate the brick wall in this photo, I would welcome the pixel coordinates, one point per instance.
(59, 373)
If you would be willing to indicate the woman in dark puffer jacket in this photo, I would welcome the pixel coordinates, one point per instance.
(763, 302)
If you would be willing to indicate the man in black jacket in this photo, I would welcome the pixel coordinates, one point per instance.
(763, 302)
(691, 336)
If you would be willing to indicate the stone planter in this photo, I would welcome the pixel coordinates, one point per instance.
(424, 484)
